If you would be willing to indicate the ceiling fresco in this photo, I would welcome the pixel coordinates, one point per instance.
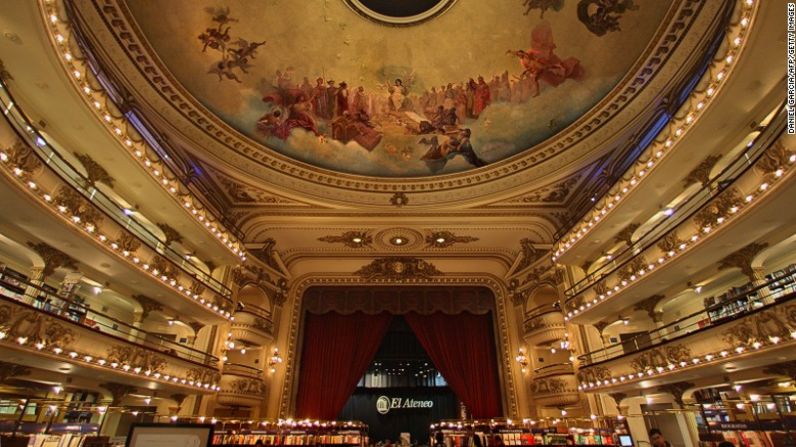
(468, 84)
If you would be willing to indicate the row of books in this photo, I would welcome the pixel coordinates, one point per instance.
(290, 439)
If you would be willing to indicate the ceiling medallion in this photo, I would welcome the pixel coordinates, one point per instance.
(402, 13)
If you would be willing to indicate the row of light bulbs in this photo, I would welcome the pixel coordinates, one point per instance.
(98, 361)
(658, 150)
(714, 357)
(689, 242)
(158, 170)
(229, 345)
(91, 230)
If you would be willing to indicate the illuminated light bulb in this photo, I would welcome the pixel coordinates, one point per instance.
(744, 22)
(757, 345)
(88, 358)
(764, 186)
(57, 350)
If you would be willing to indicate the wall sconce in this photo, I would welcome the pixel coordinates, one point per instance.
(522, 359)
(274, 360)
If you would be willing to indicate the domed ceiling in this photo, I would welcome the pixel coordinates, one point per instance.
(399, 89)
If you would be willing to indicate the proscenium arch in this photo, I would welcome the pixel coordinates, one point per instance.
(494, 284)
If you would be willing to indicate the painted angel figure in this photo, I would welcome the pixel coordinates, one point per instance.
(398, 94)
(540, 63)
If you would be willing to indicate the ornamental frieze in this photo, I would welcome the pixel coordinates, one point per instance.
(133, 355)
(34, 327)
(661, 357)
(398, 268)
(762, 327)
(552, 385)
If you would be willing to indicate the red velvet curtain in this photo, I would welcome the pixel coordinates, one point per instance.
(462, 348)
(337, 351)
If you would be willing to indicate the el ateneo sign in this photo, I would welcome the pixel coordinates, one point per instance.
(384, 404)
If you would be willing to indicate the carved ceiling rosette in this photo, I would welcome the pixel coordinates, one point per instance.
(398, 268)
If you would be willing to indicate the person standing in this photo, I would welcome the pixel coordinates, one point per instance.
(342, 99)
(331, 99)
(657, 439)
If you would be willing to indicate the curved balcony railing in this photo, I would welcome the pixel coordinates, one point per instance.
(74, 178)
(688, 208)
(242, 370)
(77, 313)
(758, 298)
(117, 95)
(554, 369)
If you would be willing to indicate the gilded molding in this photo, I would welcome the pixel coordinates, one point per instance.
(676, 390)
(118, 391)
(397, 269)
(660, 357)
(127, 355)
(351, 239)
(445, 239)
(23, 157)
(34, 327)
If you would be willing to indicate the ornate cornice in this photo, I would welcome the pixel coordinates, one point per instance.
(648, 305)
(397, 269)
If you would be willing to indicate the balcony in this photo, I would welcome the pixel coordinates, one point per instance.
(253, 325)
(555, 386)
(753, 329)
(543, 325)
(717, 102)
(42, 174)
(708, 232)
(45, 331)
(241, 386)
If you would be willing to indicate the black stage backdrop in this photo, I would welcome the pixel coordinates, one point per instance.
(362, 407)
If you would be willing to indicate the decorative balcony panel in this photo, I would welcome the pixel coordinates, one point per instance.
(48, 183)
(253, 327)
(46, 340)
(764, 190)
(555, 385)
(544, 328)
(241, 391)
(762, 332)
